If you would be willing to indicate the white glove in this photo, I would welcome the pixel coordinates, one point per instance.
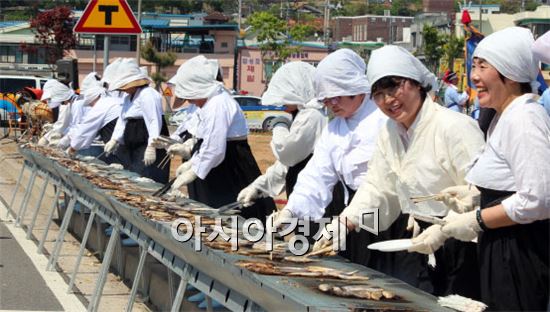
(183, 167)
(429, 240)
(110, 147)
(277, 218)
(462, 226)
(334, 233)
(55, 136)
(183, 149)
(150, 155)
(176, 138)
(412, 226)
(248, 195)
(461, 198)
(183, 179)
(64, 143)
(43, 141)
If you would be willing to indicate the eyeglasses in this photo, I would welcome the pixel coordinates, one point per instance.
(380, 96)
(332, 101)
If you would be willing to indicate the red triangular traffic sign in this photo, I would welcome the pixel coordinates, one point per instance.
(107, 17)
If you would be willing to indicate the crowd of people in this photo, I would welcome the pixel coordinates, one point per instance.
(364, 138)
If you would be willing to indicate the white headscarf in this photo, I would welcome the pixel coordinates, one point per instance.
(126, 72)
(541, 48)
(56, 92)
(509, 51)
(341, 73)
(291, 84)
(110, 71)
(392, 60)
(196, 78)
(91, 88)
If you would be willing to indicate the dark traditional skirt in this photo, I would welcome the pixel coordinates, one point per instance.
(224, 182)
(514, 262)
(131, 153)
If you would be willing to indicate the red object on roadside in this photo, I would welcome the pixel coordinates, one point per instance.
(466, 18)
(243, 92)
(36, 92)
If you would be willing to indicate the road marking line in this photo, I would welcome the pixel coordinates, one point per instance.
(54, 280)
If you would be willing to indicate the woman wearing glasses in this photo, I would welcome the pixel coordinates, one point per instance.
(418, 152)
(344, 149)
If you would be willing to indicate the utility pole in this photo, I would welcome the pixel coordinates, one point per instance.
(240, 14)
(480, 14)
(326, 21)
(138, 36)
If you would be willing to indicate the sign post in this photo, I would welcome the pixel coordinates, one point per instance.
(107, 17)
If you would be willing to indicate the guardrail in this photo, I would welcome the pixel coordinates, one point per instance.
(211, 271)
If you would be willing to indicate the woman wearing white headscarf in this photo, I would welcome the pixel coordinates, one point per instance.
(513, 176)
(140, 122)
(291, 86)
(343, 152)
(79, 110)
(99, 120)
(186, 132)
(60, 98)
(417, 153)
(222, 162)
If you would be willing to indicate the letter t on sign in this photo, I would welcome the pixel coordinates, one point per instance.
(108, 9)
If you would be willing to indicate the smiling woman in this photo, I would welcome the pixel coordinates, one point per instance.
(512, 174)
(418, 152)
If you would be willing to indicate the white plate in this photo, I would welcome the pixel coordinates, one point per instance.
(392, 245)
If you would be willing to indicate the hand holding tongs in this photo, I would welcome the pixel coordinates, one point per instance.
(164, 189)
(419, 199)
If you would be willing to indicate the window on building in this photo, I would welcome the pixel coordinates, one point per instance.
(225, 70)
(224, 45)
(10, 54)
(37, 57)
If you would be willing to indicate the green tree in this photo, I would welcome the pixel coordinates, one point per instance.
(160, 59)
(432, 47)
(276, 39)
(452, 49)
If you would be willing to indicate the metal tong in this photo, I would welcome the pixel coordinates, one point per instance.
(164, 189)
(225, 208)
(428, 219)
(419, 199)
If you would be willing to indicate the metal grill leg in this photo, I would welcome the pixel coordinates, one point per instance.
(17, 185)
(176, 305)
(37, 208)
(82, 248)
(25, 201)
(209, 304)
(61, 235)
(137, 277)
(50, 219)
(170, 284)
(96, 296)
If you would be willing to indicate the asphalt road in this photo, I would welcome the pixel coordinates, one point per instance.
(21, 286)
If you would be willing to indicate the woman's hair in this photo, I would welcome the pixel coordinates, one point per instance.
(524, 87)
(394, 81)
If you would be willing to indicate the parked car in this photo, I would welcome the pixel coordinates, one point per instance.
(14, 83)
(258, 116)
